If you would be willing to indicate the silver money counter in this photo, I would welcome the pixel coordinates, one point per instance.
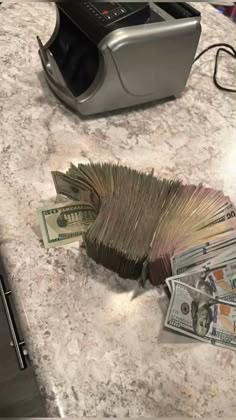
(106, 56)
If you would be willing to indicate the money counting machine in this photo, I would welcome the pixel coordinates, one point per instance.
(106, 56)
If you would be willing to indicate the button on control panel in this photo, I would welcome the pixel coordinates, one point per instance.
(106, 13)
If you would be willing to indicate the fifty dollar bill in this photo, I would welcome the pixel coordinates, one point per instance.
(62, 224)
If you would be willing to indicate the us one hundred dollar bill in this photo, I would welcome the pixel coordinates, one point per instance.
(218, 281)
(225, 214)
(192, 258)
(195, 314)
(63, 223)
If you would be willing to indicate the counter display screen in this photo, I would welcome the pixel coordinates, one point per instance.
(105, 8)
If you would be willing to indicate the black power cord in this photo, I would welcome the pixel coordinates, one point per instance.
(221, 48)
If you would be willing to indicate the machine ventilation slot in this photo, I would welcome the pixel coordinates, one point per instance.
(178, 10)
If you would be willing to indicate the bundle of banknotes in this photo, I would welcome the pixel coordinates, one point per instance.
(134, 223)
(203, 292)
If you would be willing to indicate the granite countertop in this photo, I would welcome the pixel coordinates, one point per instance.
(95, 352)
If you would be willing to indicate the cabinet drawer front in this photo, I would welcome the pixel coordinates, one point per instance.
(19, 396)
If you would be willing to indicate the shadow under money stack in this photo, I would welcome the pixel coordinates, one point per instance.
(139, 221)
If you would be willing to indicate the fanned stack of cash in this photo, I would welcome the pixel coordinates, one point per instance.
(134, 223)
(203, 296)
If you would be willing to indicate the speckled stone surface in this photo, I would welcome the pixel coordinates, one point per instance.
(94, 351)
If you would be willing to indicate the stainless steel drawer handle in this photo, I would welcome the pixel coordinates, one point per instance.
(17, 343)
